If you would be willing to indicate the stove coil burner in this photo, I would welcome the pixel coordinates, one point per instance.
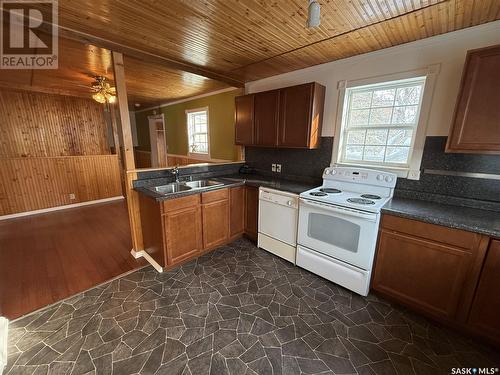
(360, 201)
(330, 190)
(318, 194)
(370, 196)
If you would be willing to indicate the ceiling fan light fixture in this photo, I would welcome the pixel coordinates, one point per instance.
(313, 14)
(103, 91)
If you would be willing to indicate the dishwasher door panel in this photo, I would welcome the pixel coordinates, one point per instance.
(278, 221)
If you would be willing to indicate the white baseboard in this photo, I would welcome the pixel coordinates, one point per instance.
(143, 254)
(51, 209)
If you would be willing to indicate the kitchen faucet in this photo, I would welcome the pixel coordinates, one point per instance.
(175, 172)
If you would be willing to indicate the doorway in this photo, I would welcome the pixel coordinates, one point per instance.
(158, 141)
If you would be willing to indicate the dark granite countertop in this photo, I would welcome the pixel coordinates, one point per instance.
(289, 186)
(453, 216)
(232, 181)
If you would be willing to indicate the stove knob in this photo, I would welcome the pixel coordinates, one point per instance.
(334, 171)
(388, 179)
(380, 177)
(327, 171)
(289, 203)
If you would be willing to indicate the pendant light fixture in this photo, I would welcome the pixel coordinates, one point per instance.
(313, 14)
(103, 91)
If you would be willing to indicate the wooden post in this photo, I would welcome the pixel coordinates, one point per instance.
(121, 91)
(128, 153)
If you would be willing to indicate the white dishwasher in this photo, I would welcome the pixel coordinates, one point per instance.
(278, 216)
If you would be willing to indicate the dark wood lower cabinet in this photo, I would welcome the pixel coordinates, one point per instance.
(237, 213)
(252, 212)
(446, 274)
(427, 275)
(486, 305)
(180, 229)
(215, 215)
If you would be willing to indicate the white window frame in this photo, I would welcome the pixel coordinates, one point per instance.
(412, 169)
(198, 155)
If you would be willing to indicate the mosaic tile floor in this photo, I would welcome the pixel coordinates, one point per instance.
(238, 310)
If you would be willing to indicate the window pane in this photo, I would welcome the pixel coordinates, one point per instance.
(359, 117)
(380, 116)
(374, 153)
(356, 137)
(408, 95)
(354, 152)
(361, 99)
(397, 154)
(369, 132)
(383, 98)
(400, 137)
(405, 115)
(376, 137)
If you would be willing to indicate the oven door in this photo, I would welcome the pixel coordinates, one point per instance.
(342, 233)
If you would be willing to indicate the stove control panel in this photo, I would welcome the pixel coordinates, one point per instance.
(360, 175)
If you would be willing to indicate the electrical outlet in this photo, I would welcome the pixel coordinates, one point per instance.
(278, 168)
(273, 167)
(72, 196)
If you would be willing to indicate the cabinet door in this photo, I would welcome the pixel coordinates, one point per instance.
(237, 211)
(183, 233)
(252, 212)
(301, 116)
(266, 115)
(215, 223)
(486, 305)
(426, 275)
(477, 113)
(244, 121)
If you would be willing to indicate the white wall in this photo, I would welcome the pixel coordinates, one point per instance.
(449, 50)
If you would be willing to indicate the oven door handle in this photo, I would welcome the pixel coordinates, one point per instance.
(341, 210)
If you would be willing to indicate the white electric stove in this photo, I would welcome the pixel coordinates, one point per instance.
(338, 225)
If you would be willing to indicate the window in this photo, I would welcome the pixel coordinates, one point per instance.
(379, 123)
(197, 123)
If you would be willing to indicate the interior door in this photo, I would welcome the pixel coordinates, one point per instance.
(266, 118)
(158, 141)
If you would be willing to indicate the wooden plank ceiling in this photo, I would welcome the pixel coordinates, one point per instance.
(252, 39)
(148, 83)
(244, 40)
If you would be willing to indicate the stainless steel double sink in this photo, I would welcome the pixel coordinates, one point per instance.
(177, 187)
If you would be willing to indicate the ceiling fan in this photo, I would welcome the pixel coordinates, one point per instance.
(103, 91)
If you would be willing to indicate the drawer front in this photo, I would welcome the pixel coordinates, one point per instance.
(180, 203)
(438, 233)
(214, 196)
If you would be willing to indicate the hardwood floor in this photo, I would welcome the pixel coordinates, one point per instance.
(48, 257)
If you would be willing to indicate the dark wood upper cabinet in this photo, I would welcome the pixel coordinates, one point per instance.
(486, 305)
(475, 127)
(266, 116)
(301, 115)
(289, 117)
(244, 131)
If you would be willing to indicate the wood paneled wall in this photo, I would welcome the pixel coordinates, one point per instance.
(38, 124)
(28, 184)
(52, 146)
